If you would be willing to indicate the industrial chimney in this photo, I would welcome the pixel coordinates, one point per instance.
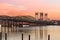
(46, 16)
(41, 16)
(36, 16)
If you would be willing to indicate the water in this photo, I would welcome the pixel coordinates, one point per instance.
(36, 33)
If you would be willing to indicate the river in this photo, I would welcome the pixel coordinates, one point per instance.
(36, 33)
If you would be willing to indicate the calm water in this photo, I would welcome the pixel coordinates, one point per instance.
(36, 33)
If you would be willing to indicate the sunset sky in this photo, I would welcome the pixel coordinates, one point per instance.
(29, 7)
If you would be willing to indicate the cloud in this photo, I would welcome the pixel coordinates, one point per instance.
(5, 8)
(6, 5)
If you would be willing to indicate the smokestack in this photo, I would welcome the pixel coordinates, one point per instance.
(46, 16)
(36, 15)
(41, 16)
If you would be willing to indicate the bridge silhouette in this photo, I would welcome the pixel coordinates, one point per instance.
(22, 20)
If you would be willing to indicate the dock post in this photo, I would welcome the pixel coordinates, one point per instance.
(48, 37)
(5, 36)
(22, 36)
(29, 37)
(0, 35)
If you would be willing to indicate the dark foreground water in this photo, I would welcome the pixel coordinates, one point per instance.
(36, 33)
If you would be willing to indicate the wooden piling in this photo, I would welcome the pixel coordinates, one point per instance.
(29, 37)
(48, 37)
(22, 36)
(5, 36)
(0, 35)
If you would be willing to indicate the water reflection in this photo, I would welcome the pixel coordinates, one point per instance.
(36, 33)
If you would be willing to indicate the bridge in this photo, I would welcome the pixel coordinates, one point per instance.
(23, 20)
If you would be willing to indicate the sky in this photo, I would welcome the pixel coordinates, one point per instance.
(29, 7)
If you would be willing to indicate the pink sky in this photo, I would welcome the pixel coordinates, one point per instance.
(29, 7)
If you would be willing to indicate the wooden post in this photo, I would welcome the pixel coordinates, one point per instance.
(48, 37)
(22, 36)
(5, 36)
(0, 35)
(29, 37)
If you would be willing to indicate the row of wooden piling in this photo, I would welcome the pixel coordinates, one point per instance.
(6, 36)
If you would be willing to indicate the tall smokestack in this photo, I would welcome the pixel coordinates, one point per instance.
(41, 16)
(46, 16)
(36, 15)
